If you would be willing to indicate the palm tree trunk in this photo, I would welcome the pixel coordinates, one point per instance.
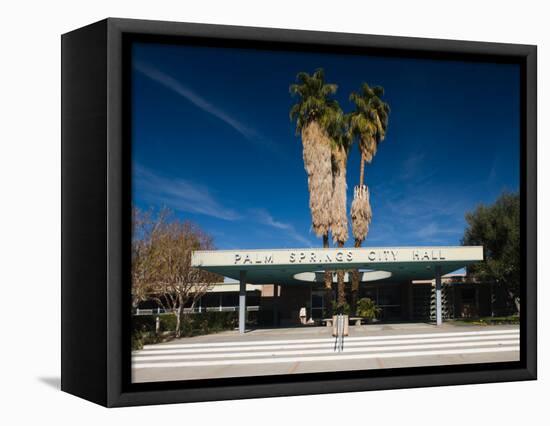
(362, 171)
(341, 284)
(328, 280)
(355, 277)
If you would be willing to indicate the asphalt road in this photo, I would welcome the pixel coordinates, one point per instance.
(305, 350)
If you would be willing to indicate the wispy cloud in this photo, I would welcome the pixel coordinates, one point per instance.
(434, 232)
(173, 84)
(414, 213)
(191, 197)
(179, 194)
(492, 172)
(265, 218)
(412, 165)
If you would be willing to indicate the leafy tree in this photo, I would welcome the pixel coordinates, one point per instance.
(161, 263)
(143, 229)
(496, 227)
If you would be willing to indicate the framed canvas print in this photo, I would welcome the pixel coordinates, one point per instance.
(252, 212)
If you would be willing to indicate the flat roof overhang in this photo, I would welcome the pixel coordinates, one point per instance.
(281, 266)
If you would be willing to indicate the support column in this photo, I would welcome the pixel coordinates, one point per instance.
(242, 302)
(438, 313)
(410, 300)
(275, 305)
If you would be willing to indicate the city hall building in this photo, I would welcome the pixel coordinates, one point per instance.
(407, 283)
(276, 287)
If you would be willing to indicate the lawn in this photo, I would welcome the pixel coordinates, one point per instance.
(511, 319)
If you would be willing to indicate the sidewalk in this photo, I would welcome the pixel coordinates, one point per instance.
(304, 349)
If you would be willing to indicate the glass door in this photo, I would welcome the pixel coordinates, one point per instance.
(317, 304)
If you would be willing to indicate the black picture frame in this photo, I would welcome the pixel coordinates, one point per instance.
(96, 226)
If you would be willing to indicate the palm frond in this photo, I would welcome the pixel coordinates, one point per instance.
(361, 215)
(369, 121)
(314, 100)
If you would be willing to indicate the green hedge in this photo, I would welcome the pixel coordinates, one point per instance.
(507, 320)
(143, 326)
(146, 323)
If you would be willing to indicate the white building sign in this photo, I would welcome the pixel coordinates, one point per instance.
(336, 256)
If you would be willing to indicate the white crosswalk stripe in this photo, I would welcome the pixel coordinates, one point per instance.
(322, 349)
(324, 339)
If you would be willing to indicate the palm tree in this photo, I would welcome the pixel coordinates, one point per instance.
(315, 113)
(339, 216)
(368, 124)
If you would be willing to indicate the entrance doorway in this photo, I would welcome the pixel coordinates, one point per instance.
(317, 304)
(387, 297)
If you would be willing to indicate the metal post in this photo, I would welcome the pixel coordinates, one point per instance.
(339, 326)
(242, 302)
(438, 316)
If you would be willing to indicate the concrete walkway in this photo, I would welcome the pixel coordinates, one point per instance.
(312, 349)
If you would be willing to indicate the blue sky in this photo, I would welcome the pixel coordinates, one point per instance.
(212, 140)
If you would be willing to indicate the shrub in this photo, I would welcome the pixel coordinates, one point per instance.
(342, 308)
(137, 340)
(168, 322)
(215, 321)
(143, 326)
(366, 308)
(186, 327)
(508, 320)
(143, 323)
